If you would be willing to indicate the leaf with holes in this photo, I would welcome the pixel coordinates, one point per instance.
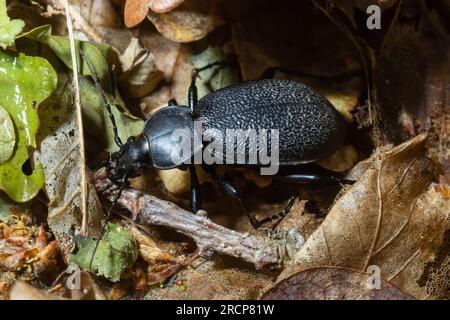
(116, 252)
(21, 96)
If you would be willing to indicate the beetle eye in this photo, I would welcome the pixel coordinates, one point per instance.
(131, 139)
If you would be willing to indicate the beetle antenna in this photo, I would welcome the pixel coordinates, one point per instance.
(108, 218)
(105, 100)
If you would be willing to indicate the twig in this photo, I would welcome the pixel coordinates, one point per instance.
(210, 237)
(76, 86)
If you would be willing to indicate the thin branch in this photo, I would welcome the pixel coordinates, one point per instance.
(76, 88)
(209, 237)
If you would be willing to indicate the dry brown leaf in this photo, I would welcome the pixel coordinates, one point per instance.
(139, 75)
(136, 10)
(191, 21)
(100, 13)
(24, 250)
(212, 280)
(46, 258)
(148, 249)
(332, 283)
(173, 59)
(23, 291)
(391, 218)
(162, 6)
(161, 264)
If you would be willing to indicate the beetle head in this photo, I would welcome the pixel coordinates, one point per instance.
(132, 158)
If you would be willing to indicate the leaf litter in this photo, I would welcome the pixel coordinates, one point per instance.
(395, 217)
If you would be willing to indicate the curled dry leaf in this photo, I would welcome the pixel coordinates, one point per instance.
(391, 218)
(24, 251)
(140, 76)
(148, 249)
(161, 264)
(191, 21)
(161, 6)
(332, 283)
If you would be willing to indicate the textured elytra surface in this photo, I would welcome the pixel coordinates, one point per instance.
(309, 127)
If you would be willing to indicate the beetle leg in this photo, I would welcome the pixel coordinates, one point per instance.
(195, 189)
(320, 175)
(230, 189)
(192, 95)
(280, 215)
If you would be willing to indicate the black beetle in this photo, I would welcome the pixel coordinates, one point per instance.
(308, 125)
(309, 128)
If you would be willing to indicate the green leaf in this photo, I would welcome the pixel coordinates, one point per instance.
(96, 119)
(116, 252)
(24, 83)
(214, 78)
(9, 29)
(96, 53)
(7, 136)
